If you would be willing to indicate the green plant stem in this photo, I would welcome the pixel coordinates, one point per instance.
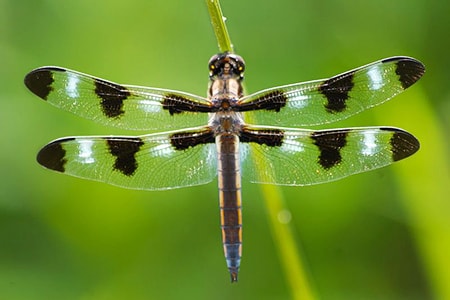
(218, 23)
(291, 261)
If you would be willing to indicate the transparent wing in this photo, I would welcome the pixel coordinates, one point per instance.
(333, 99)
(305, 157)
(148, 162)
(123, 106)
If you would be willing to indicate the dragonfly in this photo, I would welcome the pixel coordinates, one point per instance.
(192, 139)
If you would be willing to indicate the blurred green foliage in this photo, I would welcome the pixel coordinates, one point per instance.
(379, 235)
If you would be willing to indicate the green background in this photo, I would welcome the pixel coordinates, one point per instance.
(378, 235)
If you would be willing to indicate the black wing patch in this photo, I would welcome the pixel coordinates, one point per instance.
(40, 81)
(112, 96)
(268, 137)
(336, 91)
(176, 104)
(53, 155)
(330, 145)
(274, 100)
(409, 71)
(185, 140)
(403, 144)
(124, 150)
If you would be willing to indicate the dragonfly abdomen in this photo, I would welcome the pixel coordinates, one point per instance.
(229, 175)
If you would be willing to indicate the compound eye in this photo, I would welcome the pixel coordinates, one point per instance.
(239, 62)
(213, 60)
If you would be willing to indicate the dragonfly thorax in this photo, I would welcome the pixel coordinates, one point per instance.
(229, 122)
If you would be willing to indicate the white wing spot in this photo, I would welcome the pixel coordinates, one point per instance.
(369, 143)
(375, 78)
(85, 152)
(150, 106)
(162, 150)
(297, 100)
(72, 86)
(292, 146)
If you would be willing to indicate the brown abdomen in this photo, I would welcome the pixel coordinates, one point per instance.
(229, 175)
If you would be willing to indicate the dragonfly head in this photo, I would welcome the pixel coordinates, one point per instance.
(226, 64)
